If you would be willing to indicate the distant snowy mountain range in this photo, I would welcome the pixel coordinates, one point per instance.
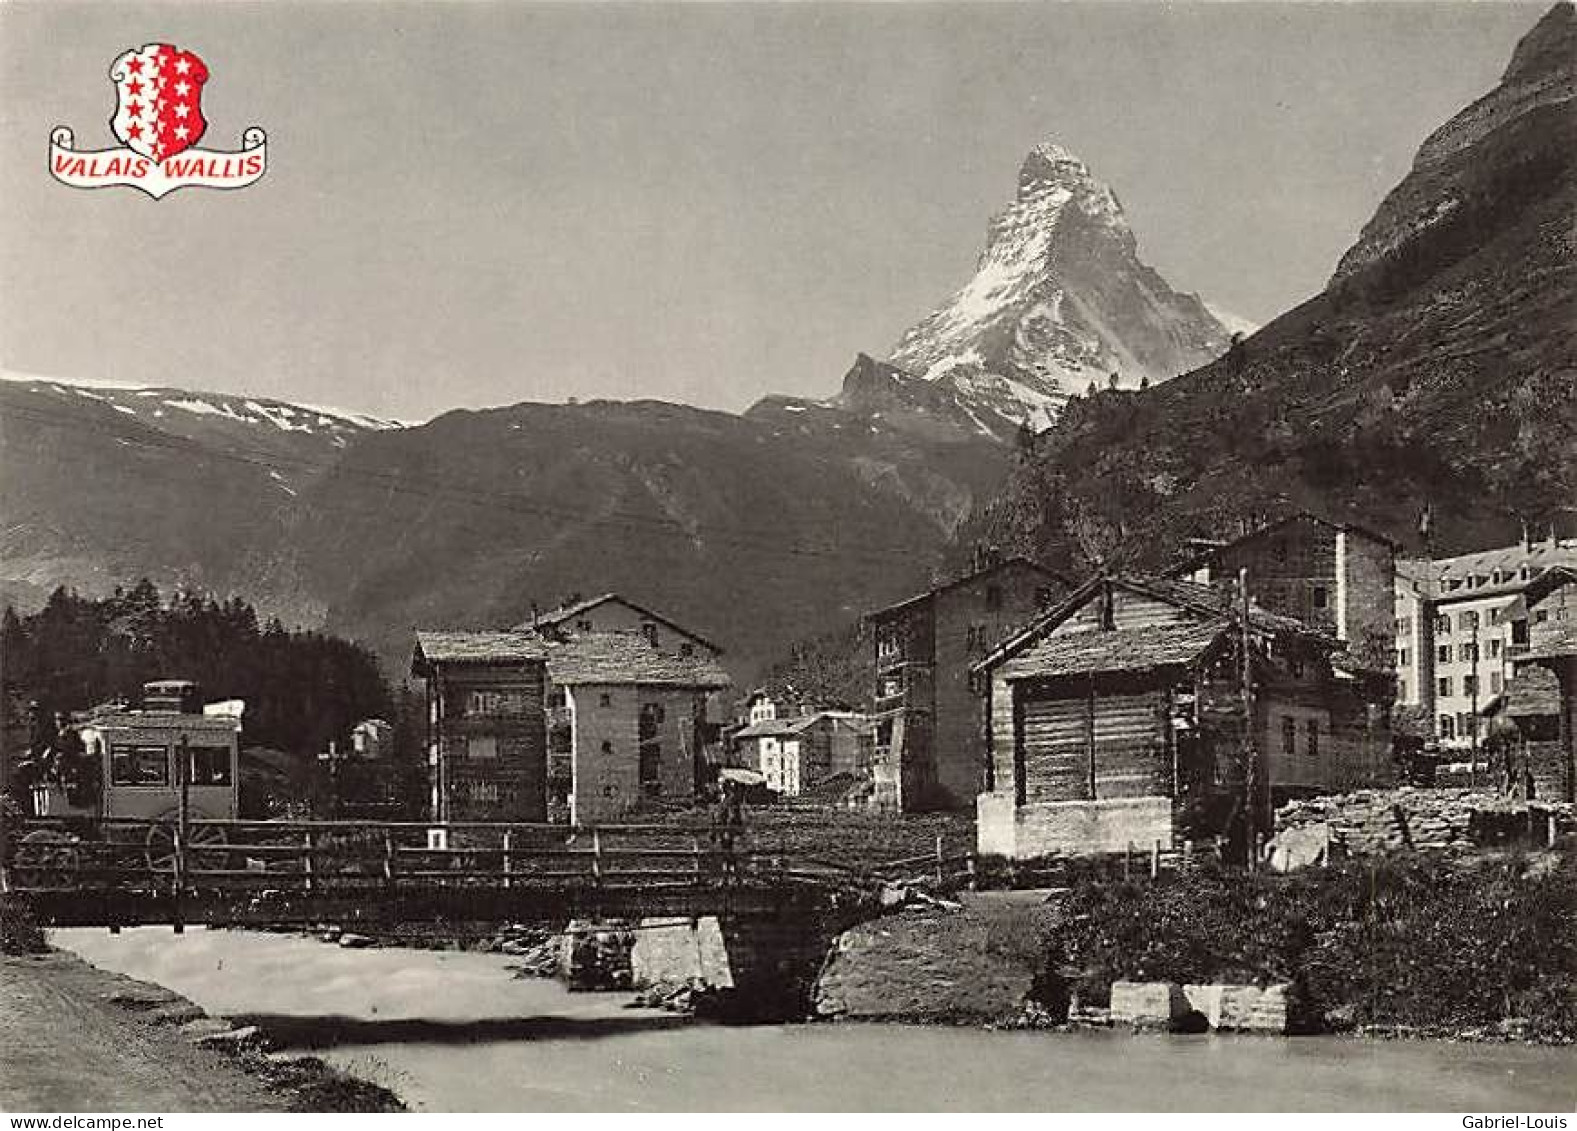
(154, 401)
(371, 526)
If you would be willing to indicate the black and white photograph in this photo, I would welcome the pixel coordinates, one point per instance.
(786, 556)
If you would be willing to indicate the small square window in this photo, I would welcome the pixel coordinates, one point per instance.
(481, 747)
(1321, 597)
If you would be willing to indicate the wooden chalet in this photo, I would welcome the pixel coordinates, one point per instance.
(1541, 699)
(486, 726)
(1130, 715)
(1337, 577)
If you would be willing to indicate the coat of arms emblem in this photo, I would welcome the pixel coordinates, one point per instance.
(159, 120)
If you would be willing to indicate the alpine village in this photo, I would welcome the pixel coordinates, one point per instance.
(1217, 677)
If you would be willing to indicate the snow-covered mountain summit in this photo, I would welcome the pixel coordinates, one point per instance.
(1059, 298)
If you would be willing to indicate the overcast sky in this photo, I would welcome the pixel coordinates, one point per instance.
(481, 204)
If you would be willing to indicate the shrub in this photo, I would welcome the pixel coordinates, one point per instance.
(1410, 941)
(19, 931)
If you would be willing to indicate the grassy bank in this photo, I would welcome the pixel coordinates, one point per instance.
(1411, 944)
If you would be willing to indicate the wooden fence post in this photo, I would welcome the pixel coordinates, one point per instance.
(178, 874)
(5, 834)
(388, 858)
(508, 845)
(1128, 860)
(307, 858)
(1155, 860)
(596, 856)
(940, 878)
(695, 852)
(1188, 856)
(969, 867)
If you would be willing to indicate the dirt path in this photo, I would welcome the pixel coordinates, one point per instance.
(67, 1045)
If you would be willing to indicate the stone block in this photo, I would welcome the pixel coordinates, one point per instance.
(681, 952)
(1149, 1005)
(1249, 1008)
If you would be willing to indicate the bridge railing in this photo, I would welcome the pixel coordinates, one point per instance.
(124, 854)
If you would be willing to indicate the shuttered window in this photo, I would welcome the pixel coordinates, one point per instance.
(1054, 748)
(1055, 764)
(1129, 746)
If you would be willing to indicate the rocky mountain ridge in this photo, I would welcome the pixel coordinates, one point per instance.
(1059, 298)
(1438, 369)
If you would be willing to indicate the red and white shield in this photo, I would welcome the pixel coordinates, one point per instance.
(159, 111)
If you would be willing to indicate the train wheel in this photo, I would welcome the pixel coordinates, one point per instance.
(205, 847)
(46, 858)
(161, 849)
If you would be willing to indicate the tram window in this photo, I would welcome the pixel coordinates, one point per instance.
(139, 765)
(210, 765)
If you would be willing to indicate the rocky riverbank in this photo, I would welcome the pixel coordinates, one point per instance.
(1454, 947)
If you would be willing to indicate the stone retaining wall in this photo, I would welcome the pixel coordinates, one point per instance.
(1374, 821)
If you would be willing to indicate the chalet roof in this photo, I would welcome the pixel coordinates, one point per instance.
(1193, 561)
(624, 657)
(1214, 606)
(1123, 650)
(476, 648)
(861, 724)
(1533, 691)
(555, 617)
(772, 728)
(920, 598)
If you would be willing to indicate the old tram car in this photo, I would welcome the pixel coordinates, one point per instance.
(142, 759)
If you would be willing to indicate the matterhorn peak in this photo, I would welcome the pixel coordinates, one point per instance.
(1059, 298)
(1049, 165)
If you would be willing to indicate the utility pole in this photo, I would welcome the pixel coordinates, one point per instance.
(1251, 782)
(5, 779)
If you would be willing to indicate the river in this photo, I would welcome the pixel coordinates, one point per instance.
(454, 1031)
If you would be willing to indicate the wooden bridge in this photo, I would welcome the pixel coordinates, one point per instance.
(123, 872)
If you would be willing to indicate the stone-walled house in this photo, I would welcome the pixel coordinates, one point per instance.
(929, 746)
(610, 612)
(1123, 717)
(636, 722)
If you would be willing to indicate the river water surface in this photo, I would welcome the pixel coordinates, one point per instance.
(454, 1031)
